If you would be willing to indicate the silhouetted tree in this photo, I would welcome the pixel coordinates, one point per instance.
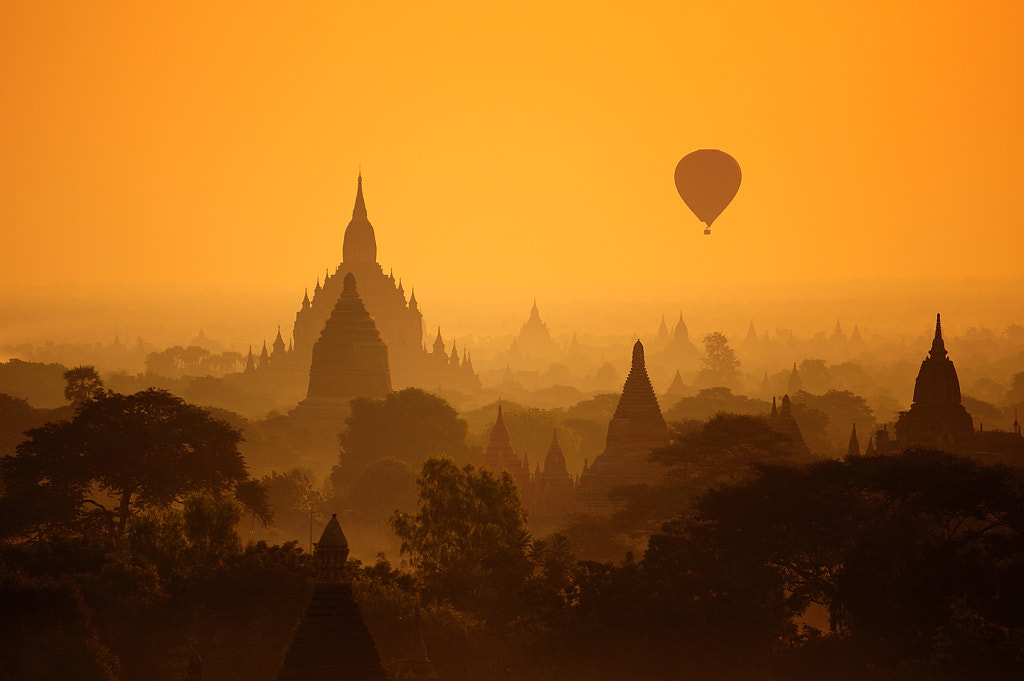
(898, 549)
(410, 425)
(385, 487)
(468, 541)
(710, 401)
(719, 366)
(81, 384)
(146, 450)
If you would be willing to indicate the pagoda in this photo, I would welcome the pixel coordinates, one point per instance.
(936, 419)
(349, 359)
(500, 456)
(636, 428)
(332, 642)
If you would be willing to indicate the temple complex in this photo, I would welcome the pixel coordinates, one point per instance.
(349, 358)
(636, 428)
(936, 418)
(332, 642)
(534, 347)
(398, 319)
(677, 352)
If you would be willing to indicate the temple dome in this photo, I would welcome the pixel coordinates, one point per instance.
(360, 245)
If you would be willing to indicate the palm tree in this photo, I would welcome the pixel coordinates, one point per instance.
(81, 384)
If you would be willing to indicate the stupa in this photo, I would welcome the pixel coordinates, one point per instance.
(349, 359)
(332, 642)
(636, 428)
(936, 418)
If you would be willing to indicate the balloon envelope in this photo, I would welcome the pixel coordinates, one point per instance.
(707, 180)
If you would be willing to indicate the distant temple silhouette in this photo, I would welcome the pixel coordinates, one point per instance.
(533, 347)
(501, 457)
(782, 421)
(398, 321)
(936, 418)
(636, 428)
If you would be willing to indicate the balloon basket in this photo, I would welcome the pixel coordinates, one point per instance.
(707, 230)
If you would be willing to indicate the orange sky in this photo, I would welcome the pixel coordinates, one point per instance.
(515, 149)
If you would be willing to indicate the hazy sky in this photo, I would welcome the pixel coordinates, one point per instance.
(509, 147)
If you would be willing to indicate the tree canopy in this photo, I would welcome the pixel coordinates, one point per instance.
(118, 455)
(468, 541)
(719, 366)
(410, 425)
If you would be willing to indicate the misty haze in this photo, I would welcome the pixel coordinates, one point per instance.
(448, 342)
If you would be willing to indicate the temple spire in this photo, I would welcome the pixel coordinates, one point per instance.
(854, 447)
(938, 347)
(359, 209)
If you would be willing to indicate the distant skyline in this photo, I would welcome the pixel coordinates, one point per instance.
(526, 148)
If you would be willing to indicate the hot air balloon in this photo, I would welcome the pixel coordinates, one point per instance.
(707, 179)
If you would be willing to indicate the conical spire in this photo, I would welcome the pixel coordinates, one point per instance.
(534, 312)
(554, 462)
(854, 448)
(360, 245)
(500, 455)
(795, 384)
(305, 300)
(938, 347)
(250, 362)
(359, 209)
(681, 333)
(638, 399)
(413, 305)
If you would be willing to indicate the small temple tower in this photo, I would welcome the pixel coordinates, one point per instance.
(854, 447)
(936, 418)
(795, 385)
(500, 456)
(781, 420)
(636, 428)
(554, 492)
(332, 642)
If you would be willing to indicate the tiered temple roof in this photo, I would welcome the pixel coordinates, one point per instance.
(349, 359)
(636, 428)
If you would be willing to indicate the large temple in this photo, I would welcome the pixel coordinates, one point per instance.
(533, 348)
(398, 320)
(636, 428)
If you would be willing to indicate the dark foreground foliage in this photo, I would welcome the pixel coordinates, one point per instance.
(903, 567)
